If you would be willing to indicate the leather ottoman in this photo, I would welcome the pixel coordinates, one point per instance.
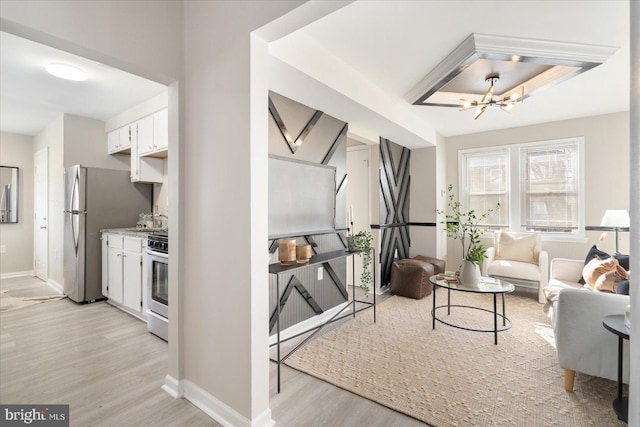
(410, 278)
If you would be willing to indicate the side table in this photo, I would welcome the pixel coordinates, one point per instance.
(615, 324)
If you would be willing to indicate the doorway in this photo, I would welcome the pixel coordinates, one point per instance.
(358, 201)
(41, 214)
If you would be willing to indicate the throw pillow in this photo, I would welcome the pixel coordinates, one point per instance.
(594, 251)
(596, 268)
(523, 248)
(608, 282)
(623, 287)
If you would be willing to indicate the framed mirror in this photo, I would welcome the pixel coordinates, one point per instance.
(8, 194)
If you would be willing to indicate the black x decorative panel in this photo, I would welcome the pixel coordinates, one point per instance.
(394, 205)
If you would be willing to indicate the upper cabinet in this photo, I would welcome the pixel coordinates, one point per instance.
(153, 141)
(147, 141)
(119, 140)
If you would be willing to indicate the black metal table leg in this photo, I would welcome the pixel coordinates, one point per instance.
(278, 324)
(448, 300)
(495, 317)
(620, 353)
(504, 315)
(433, 311)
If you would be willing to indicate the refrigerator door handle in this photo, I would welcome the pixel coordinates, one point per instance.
(74, 204)
(73, 201)
(75, 230)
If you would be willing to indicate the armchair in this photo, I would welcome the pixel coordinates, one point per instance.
(582, 343)
(518, 258)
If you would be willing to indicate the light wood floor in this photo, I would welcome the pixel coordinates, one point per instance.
(106, 365)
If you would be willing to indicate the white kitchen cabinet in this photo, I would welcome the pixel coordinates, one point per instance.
(132, 278)
(105, 264)
(113, 141)
(144, 169)
(114, 268)
(145, 135)
(119, 140)
(161, 130)
(154, 142)
(147, 141)
(125, 272)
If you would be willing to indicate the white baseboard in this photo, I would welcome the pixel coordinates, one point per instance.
(383, 290)
(173, 387)
(55, 285)
(16, 274)
(307, 324)
(220, 412)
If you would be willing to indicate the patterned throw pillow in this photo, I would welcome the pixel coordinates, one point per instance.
(609, 281)
(598, 267)
(595, 252)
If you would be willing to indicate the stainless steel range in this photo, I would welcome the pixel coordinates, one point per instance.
(158, 284)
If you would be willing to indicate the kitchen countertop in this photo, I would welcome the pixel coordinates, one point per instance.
(133, 231)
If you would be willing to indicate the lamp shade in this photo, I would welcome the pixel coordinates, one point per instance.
(615, 218)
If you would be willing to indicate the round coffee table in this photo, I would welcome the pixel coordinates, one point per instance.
(487, 285)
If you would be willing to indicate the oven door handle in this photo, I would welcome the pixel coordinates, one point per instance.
(157, 254)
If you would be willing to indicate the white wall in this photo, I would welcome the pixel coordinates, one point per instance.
(52, 136)
(85, 143)
(138, 112)
(17, 150)
(634, 164)
(606, 172)
(161, 191)
(226, 178)
(423, 201)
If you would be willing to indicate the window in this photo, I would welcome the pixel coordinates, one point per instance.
(538, 186)
(485, 177)
(550, 188)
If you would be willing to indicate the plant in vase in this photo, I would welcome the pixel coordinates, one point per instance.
(361, 243)
(464, 226)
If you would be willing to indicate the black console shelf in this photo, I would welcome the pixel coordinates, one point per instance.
(322, 258)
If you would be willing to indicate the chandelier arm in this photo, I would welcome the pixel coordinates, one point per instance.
(507, 104)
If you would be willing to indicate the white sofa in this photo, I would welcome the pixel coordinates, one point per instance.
(582, 343)
(518, 272)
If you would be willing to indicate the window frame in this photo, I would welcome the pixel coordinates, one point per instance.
(515, 165)
(462, 177)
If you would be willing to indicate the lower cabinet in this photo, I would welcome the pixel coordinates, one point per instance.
(124, 272)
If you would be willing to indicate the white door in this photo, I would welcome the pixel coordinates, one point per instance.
(358, 173)
(41, 214)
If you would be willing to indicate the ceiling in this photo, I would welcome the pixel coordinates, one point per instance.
(370, 54)
(30, 98)
(392, 46)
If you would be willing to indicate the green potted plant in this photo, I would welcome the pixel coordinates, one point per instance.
(361, 243)
(464, 226)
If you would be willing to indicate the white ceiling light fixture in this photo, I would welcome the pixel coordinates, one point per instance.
(505, 102)
(529, 65)
(67, 72)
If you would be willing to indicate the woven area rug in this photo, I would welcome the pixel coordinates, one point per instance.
(9, 303)
(451, 377)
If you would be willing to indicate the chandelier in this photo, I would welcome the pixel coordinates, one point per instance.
(507, 104)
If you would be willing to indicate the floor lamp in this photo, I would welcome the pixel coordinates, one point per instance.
(615, 219)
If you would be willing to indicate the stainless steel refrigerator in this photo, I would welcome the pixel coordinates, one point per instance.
(95, 199)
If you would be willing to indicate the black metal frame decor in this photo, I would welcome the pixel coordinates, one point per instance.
(355, 304)
(321, 139)
(395, 180)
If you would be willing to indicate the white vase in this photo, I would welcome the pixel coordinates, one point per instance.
(469, 273)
